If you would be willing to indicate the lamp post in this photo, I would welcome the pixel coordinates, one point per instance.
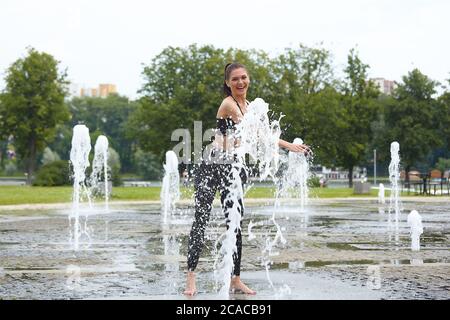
(375, 166)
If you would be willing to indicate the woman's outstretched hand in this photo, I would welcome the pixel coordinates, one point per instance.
(303, 148)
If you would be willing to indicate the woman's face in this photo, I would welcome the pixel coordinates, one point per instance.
(238, 82)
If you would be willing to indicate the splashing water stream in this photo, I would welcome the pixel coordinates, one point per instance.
(99, 164)
(394, 177)
(223, 268)
(79, 158)
(258, 137)
(294, 182)
(170, 191)
(415, 223)
(381, 198)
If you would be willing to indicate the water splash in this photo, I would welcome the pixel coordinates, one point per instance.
(283, 292)
(224, 264)
(381, 198)
(258, 138)
(294, 182)
(250, 226)
(268, 250)
(171, 250)
(99, 176)
(170, 191)
(394, 178)
(415, 223)
(79, 158)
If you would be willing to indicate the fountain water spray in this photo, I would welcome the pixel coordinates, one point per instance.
(381, 198)
(394, 177)
(99, 167)
(170, 192)
(250, 226)
(268, 249)
(171, 249)
(79, 158)
(294, 182)
(258, 137)
(415, 223)
(223, 269)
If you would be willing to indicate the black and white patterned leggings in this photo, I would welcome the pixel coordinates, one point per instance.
(208, 179)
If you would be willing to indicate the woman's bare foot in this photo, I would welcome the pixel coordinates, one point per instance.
(237, 286)
(190, 284)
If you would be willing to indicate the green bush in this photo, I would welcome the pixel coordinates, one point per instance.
(443, 164)
(148, 165)
(10, 169)
(114, 165)
(314, 182)
(56, 173)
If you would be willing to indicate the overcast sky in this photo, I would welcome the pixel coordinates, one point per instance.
(106, 41)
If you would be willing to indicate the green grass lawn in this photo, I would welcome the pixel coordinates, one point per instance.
(259, 192)
(27, 194)
(10, 195)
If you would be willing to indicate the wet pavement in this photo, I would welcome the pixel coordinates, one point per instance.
(337, 249)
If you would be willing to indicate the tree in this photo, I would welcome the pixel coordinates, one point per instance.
(180, 86)
(183, 85)
(324, 119)
(148, 165)
(107, 116)
(378, 140)
(32, 104)
(443, 165)
(63, 140)
(412, 119)
(3, 151)
(305, 94)
(443, 112)
(358, 106)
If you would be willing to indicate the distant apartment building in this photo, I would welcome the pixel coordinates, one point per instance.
(385, 86)
(88, 92)
(102, 91)
(106, 89)
(73, 90)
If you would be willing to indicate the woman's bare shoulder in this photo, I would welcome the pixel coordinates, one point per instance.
(226, 108)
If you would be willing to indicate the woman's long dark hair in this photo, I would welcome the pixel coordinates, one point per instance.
(228, 69)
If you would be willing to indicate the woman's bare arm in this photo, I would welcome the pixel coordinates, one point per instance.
(294, 147)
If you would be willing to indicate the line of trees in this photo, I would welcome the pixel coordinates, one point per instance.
(342, 119)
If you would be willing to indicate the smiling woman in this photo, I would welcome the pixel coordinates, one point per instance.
(219, 170)
(237, 82)
(215, 174)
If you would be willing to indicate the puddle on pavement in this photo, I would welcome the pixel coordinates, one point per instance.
(132, 253)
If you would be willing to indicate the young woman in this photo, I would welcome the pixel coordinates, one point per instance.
(214, 174)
